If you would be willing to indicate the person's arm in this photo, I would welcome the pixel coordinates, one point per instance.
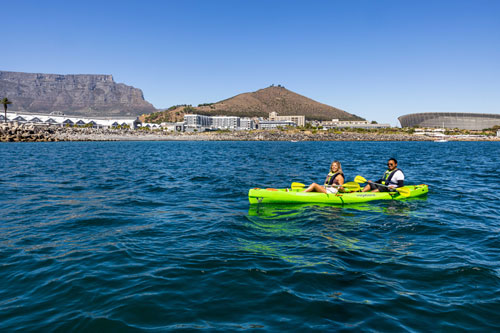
(401, 179)
(340, 179)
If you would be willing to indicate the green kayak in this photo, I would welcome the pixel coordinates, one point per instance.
(271, 195)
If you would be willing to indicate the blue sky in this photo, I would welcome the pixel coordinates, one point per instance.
(377, 59)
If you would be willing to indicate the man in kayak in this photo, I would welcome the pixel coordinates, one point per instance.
(333, 181)
(391, 179)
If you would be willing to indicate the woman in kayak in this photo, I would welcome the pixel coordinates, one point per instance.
(333, 181)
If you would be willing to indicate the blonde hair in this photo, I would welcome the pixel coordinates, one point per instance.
(340, 167)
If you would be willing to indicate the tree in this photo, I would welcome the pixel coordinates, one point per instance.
(5, 101)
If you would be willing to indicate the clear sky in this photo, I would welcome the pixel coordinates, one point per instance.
(377, 59)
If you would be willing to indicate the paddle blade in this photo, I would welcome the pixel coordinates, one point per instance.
(351, 186)
(403, 191)
(359, 179)
(297, 185)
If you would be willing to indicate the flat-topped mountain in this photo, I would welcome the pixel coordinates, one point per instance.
(82, 95)
(259, 104)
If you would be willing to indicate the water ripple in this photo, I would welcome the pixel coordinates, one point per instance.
(155, 236)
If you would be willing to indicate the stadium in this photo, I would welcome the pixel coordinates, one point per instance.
(467, 121)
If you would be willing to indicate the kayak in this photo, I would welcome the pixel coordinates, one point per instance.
(272, 195)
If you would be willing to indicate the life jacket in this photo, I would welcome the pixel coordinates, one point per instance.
(330, 179)
(386, 179)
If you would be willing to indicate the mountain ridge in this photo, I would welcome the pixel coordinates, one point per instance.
(72, 94)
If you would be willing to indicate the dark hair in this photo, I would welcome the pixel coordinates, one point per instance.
(393, 159)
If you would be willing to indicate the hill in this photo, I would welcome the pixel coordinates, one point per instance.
(81, 94)
(258, 104)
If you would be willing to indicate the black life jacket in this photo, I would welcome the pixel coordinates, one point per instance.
(330, 179)
(386, 179)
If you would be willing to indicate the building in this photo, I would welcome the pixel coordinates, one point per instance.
(199, 122)
(335, 123)
(467, 121)
(437, 132)
(63, 120)
(247, 124)
(173, 127)
(298, 120)
(274, 124)
(196, 121)
(151, 125)
(225, 122)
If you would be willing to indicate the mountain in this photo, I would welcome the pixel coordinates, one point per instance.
(79, 95)
(259, 104)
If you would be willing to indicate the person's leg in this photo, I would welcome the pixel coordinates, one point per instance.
(383, 189)
(370, 187)
(367, 188)
(315, 188)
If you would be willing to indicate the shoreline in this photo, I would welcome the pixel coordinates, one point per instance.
(30, 133)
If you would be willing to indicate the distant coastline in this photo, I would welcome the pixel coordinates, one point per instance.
(31, 133)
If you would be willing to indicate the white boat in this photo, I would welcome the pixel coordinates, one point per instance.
(441, 140)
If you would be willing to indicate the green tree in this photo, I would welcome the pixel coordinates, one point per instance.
(5, 101)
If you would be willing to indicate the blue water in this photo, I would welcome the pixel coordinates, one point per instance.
(152, 236)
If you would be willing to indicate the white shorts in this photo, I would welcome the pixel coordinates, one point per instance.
(331, 190)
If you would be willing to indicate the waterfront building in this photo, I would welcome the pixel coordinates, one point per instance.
(150, 125)
(199, 122)
(247, 124)
(466, 121)
(63, 120)
(335, 123)
(274, 124)
(173, 127)
(438, 132)
(196, 121)
(299, 120)
(225, 122)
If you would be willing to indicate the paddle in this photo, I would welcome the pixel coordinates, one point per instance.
(401, 190)
(296, 185)
(350, 185)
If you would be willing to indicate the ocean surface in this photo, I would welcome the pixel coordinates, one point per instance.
(155, 236)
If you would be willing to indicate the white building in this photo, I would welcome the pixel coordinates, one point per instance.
(196, 121)
(335, 123)
(174, 127)
(63, 120)
(247, 124)
(150, 125)
(225, 122)
(274, 124)
(299, 120)
(199, 122)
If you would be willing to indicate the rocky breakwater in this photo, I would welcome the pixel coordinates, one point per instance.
(310, 136)
(14, 132)
(26, 133)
